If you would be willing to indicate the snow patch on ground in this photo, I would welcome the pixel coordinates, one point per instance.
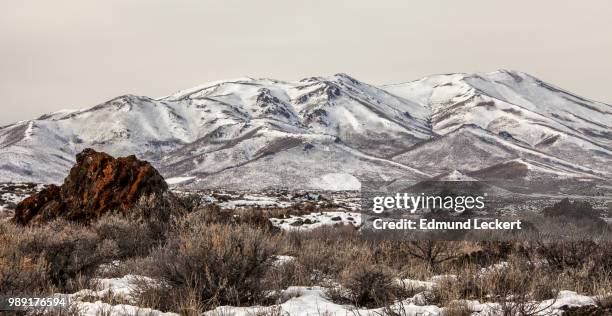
(12, 198)
(254, 201)
(312, 301)
(99, 308)
(29, 131)
(546, 307)
(316, 220)
(280, 260)
(455, 175)
(569, 299)
(122, 288)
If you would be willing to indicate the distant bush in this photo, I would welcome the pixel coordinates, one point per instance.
(567, 254)
(576, 209)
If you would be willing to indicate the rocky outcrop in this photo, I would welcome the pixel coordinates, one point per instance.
(97, 184)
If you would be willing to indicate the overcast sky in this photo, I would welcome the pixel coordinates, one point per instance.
(78, 53)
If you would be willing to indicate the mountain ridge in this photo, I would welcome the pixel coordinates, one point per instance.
(316, 126)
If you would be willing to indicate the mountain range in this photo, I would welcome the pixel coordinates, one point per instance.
(329, 133)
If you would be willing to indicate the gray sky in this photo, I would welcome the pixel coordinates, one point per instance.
(78, 53)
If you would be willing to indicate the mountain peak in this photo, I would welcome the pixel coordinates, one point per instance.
(502, 75)
(344, 76)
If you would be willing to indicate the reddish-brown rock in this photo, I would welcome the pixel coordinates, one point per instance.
(98, 183)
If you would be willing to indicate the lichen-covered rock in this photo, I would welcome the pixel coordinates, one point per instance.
(98, 183)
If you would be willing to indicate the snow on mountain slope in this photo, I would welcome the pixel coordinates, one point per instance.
(262, 133)
(519, 106)
(306, 166)
(454, 176)
(523, 169)
(43, 150)
(220, 126)
(358, 114)
(505, 99)
(471, 148)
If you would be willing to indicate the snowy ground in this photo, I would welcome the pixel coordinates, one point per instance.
(300, 301)
(255, 201)
(312, 301)
(307, 301)
(13, 193)
(89, 302)
(316, 220)
(345, 200)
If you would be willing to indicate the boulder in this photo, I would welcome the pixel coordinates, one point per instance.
(97, 184)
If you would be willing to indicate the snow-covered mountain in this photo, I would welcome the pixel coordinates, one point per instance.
(517, 107)
(326, 132)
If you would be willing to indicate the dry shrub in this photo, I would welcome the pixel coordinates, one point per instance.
(62, 255)
(324, 252)
(282, 276)
(20, 274)
(566, 254)
(518, 287)
(393, 254)
(214, 264)
(132, 238)
(515, 285)
(604, 301)
(260, 217)
(572, 210)
(188, 202)
(433, 253)
(161, 213)
(466, 285)
(366, 285)
(62, 252)
(582, 266)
